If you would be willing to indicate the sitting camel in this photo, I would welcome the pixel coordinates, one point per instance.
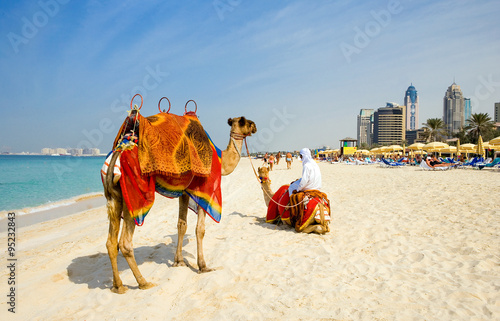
(319, 215)
(117, 210)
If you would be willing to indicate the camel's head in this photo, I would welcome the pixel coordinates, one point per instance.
(263, 174)
(242, 126)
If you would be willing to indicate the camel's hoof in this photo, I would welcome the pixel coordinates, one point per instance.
(147, 285)
(180, 263)
(205, 270)
(120, 290)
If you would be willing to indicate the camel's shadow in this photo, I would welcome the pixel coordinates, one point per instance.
(82, 270)
(261, 221)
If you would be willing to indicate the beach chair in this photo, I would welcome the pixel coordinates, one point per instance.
(386, 163)
(494, 163)
(425, 167)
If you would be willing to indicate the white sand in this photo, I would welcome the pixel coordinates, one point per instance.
(405, 244)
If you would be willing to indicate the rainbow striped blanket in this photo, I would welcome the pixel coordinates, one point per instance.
(192, 177)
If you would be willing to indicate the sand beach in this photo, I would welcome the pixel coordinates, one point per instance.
(405, 244)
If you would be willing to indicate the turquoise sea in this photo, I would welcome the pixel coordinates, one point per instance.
(31, 181)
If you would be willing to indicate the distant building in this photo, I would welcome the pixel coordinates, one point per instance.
(411, 104)
(91, 151)
(47, 151)
(415, 136)
(365, 126)
(496, 114)
(467, 109)
(61, 151)
(454, 109)
(75, 151)
(389, 124)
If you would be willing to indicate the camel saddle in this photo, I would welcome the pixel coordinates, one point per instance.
(171, 145)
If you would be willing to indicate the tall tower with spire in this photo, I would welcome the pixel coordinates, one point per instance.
(454, 109)
(411, 105)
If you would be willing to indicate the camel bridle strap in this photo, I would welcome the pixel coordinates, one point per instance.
(237, 136)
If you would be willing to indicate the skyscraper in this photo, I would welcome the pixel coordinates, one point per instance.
(411, 104)
(389, 124)
(365, 126)
(454, 109)
(467, 108)
(496, 116)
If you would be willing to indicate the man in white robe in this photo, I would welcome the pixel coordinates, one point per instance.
(311, 175)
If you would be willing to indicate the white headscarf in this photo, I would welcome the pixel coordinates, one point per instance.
(311, 175)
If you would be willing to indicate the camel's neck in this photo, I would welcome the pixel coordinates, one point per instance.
(231, 156)
(268, 193)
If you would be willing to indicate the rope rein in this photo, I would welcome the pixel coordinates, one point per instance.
(259, 179)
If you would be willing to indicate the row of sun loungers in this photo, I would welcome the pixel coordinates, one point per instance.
(475, 163)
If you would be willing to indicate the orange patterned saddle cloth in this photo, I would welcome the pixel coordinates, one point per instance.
(172, 145)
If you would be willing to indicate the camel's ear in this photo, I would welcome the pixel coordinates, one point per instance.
(230, 121)
(242, 121)
(258, 168)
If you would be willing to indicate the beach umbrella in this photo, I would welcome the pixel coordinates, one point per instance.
(435, 147)
(416, 146)
(449, 150)
(495, 141)
(393, 148)
(467, 148)
(480, 148)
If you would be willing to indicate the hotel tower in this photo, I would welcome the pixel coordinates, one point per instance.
(411, 105)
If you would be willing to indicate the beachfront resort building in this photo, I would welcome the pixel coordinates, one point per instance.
(411, 105)
(454, 109)
(389, 124)
(365, 127)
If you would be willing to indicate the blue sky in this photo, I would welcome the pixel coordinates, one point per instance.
(301, 70)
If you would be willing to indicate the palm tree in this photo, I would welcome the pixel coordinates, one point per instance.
(479, 124)
(435, 128)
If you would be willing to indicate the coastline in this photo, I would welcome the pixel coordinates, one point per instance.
(50, 211)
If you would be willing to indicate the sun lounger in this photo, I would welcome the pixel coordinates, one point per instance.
(425, 167)
(386, 163)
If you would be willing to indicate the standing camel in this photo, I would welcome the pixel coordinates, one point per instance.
(240, 128)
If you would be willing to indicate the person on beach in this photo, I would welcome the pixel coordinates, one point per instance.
(271, 162)
(266, 157)
(288, 160)
(278, 157)
(311, 175)
(434, 162)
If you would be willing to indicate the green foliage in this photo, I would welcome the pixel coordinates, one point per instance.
(434, 129)
(480, 124)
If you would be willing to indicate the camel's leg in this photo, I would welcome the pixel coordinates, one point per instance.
(181, 229)
(200, 233)
(114, 213)
(316, 228)
(128, 250)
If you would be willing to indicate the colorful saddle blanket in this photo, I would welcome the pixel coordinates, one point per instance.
(300, 210)
(138, 188)
(172, 145)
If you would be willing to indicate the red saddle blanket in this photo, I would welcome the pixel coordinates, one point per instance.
(308, 206)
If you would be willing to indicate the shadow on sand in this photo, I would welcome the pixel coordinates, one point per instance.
(82, 270)
(261, 221)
